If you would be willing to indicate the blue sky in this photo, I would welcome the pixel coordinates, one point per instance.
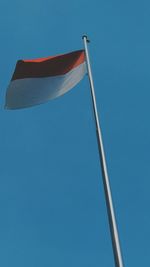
(52, 208)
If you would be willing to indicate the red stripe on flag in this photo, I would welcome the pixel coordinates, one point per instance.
(46, 67)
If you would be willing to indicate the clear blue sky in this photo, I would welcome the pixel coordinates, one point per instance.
(52, 208)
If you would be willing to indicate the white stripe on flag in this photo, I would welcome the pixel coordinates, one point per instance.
(28, 92)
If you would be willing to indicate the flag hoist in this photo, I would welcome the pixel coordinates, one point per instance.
(39, 80)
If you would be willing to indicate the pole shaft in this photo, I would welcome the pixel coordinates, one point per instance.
(106, 183)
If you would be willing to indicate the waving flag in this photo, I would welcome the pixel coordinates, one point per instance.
(39, 80)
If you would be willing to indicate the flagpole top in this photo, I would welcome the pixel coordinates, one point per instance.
(86, 37)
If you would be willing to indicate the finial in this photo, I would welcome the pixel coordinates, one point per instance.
(85, 36)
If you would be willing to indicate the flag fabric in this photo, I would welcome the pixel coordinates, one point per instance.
(37, 81)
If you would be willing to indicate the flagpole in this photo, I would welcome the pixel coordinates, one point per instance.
(106, 183)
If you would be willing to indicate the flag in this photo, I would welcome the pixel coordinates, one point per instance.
(39, 80)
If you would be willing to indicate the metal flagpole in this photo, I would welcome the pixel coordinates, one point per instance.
(107, 189)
